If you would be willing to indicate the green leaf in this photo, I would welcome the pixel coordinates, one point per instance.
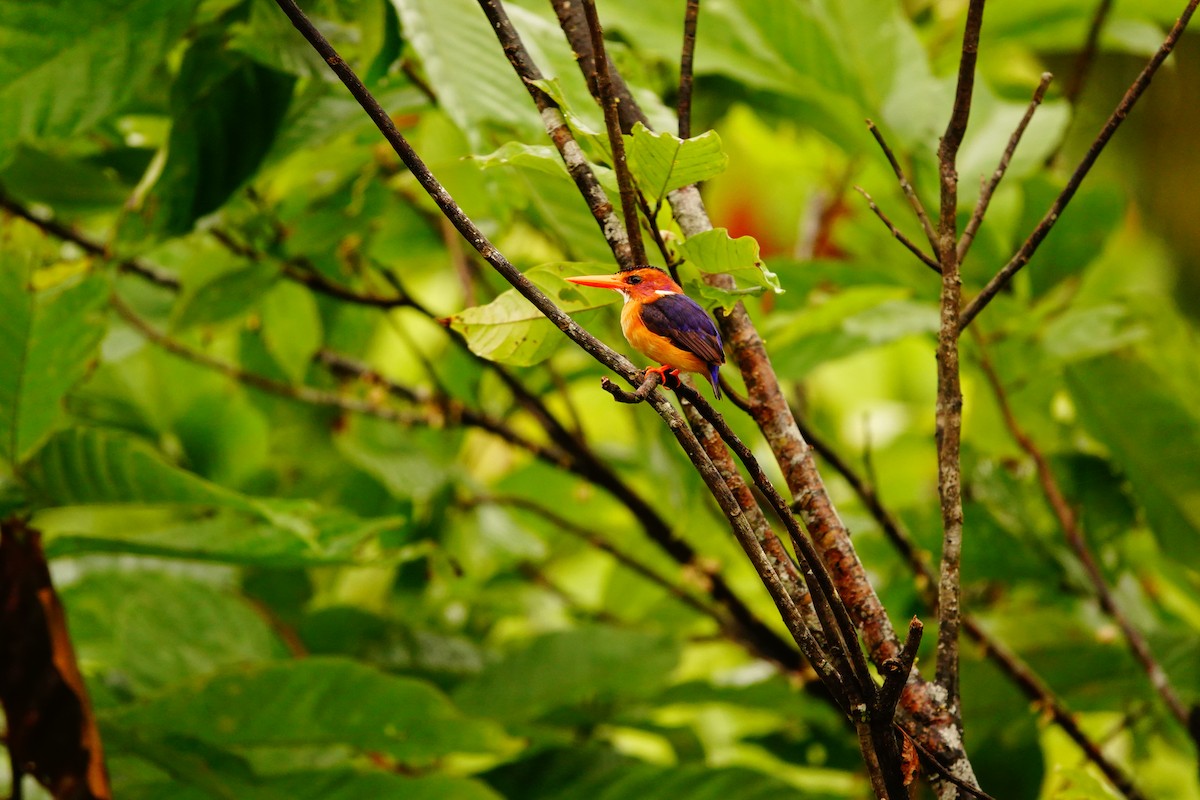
(1154, 439)
(67, 66)
(593, 772)
(90, 467)
(48, 339)
(225, 538)
(291, 328)
(510, 330)
(475, 83)
(229, 289)
(662, 162)
(598, 665)
(317, 701)
(146, 630)
(715, 252)
(227, 110)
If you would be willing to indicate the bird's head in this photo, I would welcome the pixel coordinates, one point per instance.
(644, 284)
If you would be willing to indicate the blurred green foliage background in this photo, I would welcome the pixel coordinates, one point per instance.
(274, 596)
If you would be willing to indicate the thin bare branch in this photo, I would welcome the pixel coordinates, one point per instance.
(1026, 251)
(905, 185)
(989, 188)
(925, 259)
(686, 59)
(949, 391)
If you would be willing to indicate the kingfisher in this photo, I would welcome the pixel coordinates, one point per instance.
(662, 322)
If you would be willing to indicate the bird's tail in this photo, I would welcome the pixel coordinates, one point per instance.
(713, 379)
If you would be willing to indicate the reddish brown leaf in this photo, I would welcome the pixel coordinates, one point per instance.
(51, 732)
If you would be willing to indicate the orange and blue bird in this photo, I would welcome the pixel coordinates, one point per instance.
(663, 323)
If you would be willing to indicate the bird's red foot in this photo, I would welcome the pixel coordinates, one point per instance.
(669, 375)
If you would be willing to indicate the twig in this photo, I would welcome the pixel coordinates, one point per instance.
(303, 272)
(949, 391)
(989, 188)
(158, 277)
(1069, 523)
(612, 121)
(1026, 251)
(560, 134)
(690, 18)
(926, 259)
(896, 673)
(905, 185)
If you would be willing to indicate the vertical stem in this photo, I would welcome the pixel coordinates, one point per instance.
(690, 18)
(612, 121)
(949, 392)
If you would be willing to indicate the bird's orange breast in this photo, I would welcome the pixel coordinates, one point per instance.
(659, 348)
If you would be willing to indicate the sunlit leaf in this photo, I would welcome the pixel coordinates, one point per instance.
(714, 251)
(510, 330)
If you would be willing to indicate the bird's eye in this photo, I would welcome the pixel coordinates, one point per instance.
(634, 280)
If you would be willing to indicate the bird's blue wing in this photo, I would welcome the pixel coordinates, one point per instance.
(681, 320)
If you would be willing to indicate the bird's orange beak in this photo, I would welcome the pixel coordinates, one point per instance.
(599, 281)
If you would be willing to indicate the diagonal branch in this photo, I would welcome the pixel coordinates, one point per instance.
(560, 133)
(1026, 251)
(1069, 523)
(989, 188)
(905, 185)
(925, 259)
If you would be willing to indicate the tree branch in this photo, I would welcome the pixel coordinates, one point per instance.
(905, 185)
(686, 62)
(926, 259)
(560, 133)
(1069, 523)
(1040, 695)
(989, 188)
(609, 100)
(1026, 251)
(949, 391)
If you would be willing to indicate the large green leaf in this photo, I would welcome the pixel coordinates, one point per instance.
(66, 66)
(510, 330)
(475, 83)
(316, 701)
(227, 110)
(662, 162)
(48, 339)
(1152, 436)
(601, 665)
(92, 467)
